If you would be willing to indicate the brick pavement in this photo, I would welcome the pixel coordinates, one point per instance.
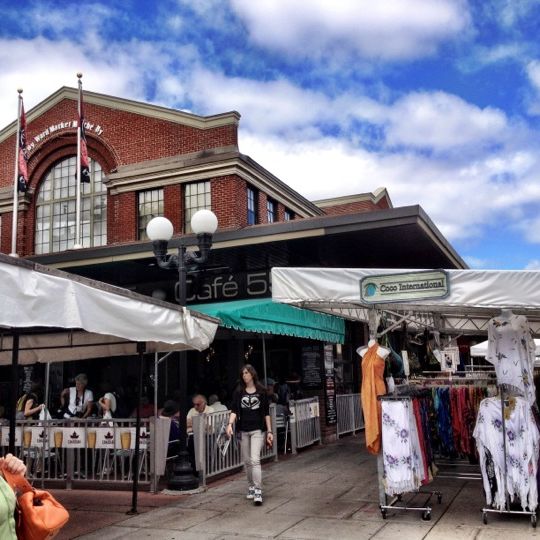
(326, 492)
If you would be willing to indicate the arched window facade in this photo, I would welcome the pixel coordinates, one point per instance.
(56, 209)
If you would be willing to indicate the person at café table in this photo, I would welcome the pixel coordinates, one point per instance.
(77, 401)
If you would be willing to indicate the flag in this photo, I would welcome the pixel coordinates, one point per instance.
(22, 179)
(84, 164)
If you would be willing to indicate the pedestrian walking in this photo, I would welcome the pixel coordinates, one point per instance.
(251, 412)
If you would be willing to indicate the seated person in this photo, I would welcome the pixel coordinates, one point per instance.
(77, 400)
(215, 403)
(107, 402)
(171, 410)
(199, 407)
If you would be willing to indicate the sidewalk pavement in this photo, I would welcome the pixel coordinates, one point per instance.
(326, 492)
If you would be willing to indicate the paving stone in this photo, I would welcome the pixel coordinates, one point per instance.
(322, 529)
(401, 531)
(266, 525)
(308, 506)
(170, 518)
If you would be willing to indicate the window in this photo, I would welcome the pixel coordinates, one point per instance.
(289, 215)
(196, 197)
(271, 207)
(252, 206)
(150, 206)
(55, 209)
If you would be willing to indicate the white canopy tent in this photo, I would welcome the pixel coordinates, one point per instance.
(474, 296)
(50, 316)
(480, 349)
(59, 317)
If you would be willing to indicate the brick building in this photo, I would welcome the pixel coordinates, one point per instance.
(148, 160)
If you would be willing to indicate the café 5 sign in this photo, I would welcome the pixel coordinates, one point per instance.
(404, 287)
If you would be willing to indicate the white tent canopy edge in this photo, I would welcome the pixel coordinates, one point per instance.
(474, 296)
(102, 319)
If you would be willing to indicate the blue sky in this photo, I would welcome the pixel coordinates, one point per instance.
(436, 100)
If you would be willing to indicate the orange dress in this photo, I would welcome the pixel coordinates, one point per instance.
(372, 386)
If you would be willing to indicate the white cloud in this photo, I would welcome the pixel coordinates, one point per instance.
(388, 30)
(460, 198)
(439, 120)
(476, 262)
(533, 265)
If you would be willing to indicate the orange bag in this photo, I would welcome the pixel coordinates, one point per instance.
(39, 516)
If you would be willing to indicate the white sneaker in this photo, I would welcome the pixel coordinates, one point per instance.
(251, 493)
(257, 498)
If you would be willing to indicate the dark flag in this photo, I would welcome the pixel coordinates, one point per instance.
(22, 179)
(84, 164)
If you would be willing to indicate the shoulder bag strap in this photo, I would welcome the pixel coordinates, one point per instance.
(18, 483)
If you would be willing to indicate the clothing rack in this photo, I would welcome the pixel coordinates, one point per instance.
(396, 502)
(506, 392)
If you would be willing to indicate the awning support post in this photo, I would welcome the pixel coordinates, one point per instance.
(141, 347)
(14, 390)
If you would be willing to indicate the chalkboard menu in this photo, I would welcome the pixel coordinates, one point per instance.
(311, 367)
(330, 385)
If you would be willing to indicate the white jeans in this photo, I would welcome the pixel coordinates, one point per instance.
(251, 445)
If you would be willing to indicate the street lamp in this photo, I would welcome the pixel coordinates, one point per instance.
(160, 230)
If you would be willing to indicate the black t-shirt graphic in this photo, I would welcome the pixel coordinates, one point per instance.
(250, 409)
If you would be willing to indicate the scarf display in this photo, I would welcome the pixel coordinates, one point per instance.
(522, 452)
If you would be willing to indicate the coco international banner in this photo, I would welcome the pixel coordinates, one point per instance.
(404, 287)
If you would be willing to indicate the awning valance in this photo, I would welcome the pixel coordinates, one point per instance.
(267, 317)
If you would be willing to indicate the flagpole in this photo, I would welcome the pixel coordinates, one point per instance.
(78, 244)
(14, 224)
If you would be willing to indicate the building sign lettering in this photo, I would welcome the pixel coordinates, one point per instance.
(67, 124)
(228, 287)
(404, 287)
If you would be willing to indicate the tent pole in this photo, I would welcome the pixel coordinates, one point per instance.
(47, 378)
(264, 360)
(140, 349)
(14, 390)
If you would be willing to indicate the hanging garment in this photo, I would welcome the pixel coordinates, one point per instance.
(521, 459)
(372, 386)
(403, 469)
(511, 350)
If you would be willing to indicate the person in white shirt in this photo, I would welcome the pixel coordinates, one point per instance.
(199, 407)
(77, 400)
(215, 403)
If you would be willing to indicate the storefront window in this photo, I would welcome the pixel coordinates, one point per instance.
(196, 197)
(56, 209)
(150, 206)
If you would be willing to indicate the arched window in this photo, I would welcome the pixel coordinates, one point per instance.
(55, 208)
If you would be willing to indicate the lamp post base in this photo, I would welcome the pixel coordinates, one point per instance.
(182, 477)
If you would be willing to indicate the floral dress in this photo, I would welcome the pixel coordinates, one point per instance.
(404, 467)
(511, 350)
(521, 460)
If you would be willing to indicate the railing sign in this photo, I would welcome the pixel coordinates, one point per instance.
(404, 287)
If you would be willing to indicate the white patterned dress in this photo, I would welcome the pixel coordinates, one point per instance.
(511, 350)
(522, 440)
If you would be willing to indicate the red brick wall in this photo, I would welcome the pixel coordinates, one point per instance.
(229, 201)
(127, 138)
(355, 207)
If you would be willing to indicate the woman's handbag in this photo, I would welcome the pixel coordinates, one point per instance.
(38, 516)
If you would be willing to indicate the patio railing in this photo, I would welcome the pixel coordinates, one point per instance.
(209, 459)
(85, 451)
(349, 414)
(305, 423)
